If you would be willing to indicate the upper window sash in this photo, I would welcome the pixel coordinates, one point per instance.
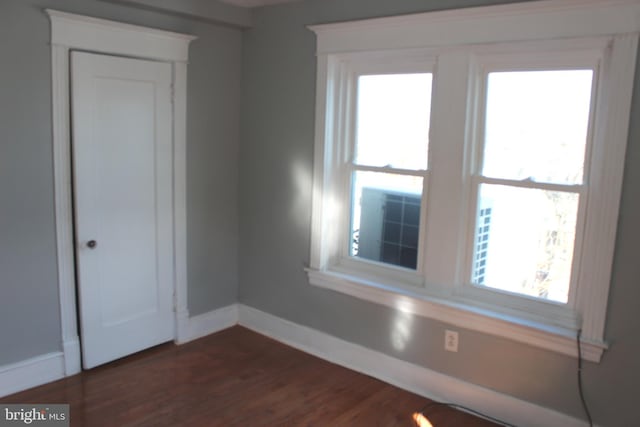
(368, 79)
(555, 55)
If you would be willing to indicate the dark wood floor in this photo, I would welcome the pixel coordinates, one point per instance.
(234, 378)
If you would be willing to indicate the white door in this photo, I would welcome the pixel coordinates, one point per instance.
(122, 157)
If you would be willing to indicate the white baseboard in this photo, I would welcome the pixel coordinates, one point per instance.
(72, 362)
(31, 372)
(417, 379)
(408, 376)
(54, 366)
(207, 323)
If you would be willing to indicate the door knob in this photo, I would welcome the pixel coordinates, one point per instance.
(92, 244)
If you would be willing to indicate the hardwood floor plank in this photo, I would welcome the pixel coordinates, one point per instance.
(233, 378)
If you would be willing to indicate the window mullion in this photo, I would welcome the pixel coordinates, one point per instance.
(448, 191)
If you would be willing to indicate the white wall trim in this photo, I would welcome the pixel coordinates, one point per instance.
(63, 203)
(605, 191)
(484, 24)
(101, 35)
(180, 193)
(208, 323)
(31, 372)
(43, 369)
(72, 359)
(408, 376)
(538, 334)
(68, 32)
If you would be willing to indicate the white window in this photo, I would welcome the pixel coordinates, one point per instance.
(468, 165)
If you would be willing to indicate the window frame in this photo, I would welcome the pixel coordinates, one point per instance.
(465, 43)
(377, 63)
(537, 56)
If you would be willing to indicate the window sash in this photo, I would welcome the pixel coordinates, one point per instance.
(373, 266)
(370, 64)
(514, 299)
(585, 54)
(355, 114)
(451, 79)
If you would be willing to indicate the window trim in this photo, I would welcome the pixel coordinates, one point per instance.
(615, 23)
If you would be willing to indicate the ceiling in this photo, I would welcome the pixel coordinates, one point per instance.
(236, 13)
(256, 3)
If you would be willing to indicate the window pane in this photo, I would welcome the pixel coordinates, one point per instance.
(393, 120)
(524, 241)
(536, 125)
(385, 218)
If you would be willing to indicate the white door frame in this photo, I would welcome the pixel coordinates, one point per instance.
(78, 32)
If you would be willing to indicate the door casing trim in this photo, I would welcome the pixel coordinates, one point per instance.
(78, 32)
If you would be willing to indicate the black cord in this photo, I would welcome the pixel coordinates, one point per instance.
(584, 402)
(465, 409)
(496, 420)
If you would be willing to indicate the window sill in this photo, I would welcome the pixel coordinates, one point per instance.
(537, 334)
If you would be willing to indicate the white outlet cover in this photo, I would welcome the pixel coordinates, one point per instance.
(451, 340)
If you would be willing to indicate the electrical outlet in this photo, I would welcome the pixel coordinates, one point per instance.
(451, 341)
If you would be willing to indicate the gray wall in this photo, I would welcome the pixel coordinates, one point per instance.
(276, 157)
(29, 313)
(273, 198)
